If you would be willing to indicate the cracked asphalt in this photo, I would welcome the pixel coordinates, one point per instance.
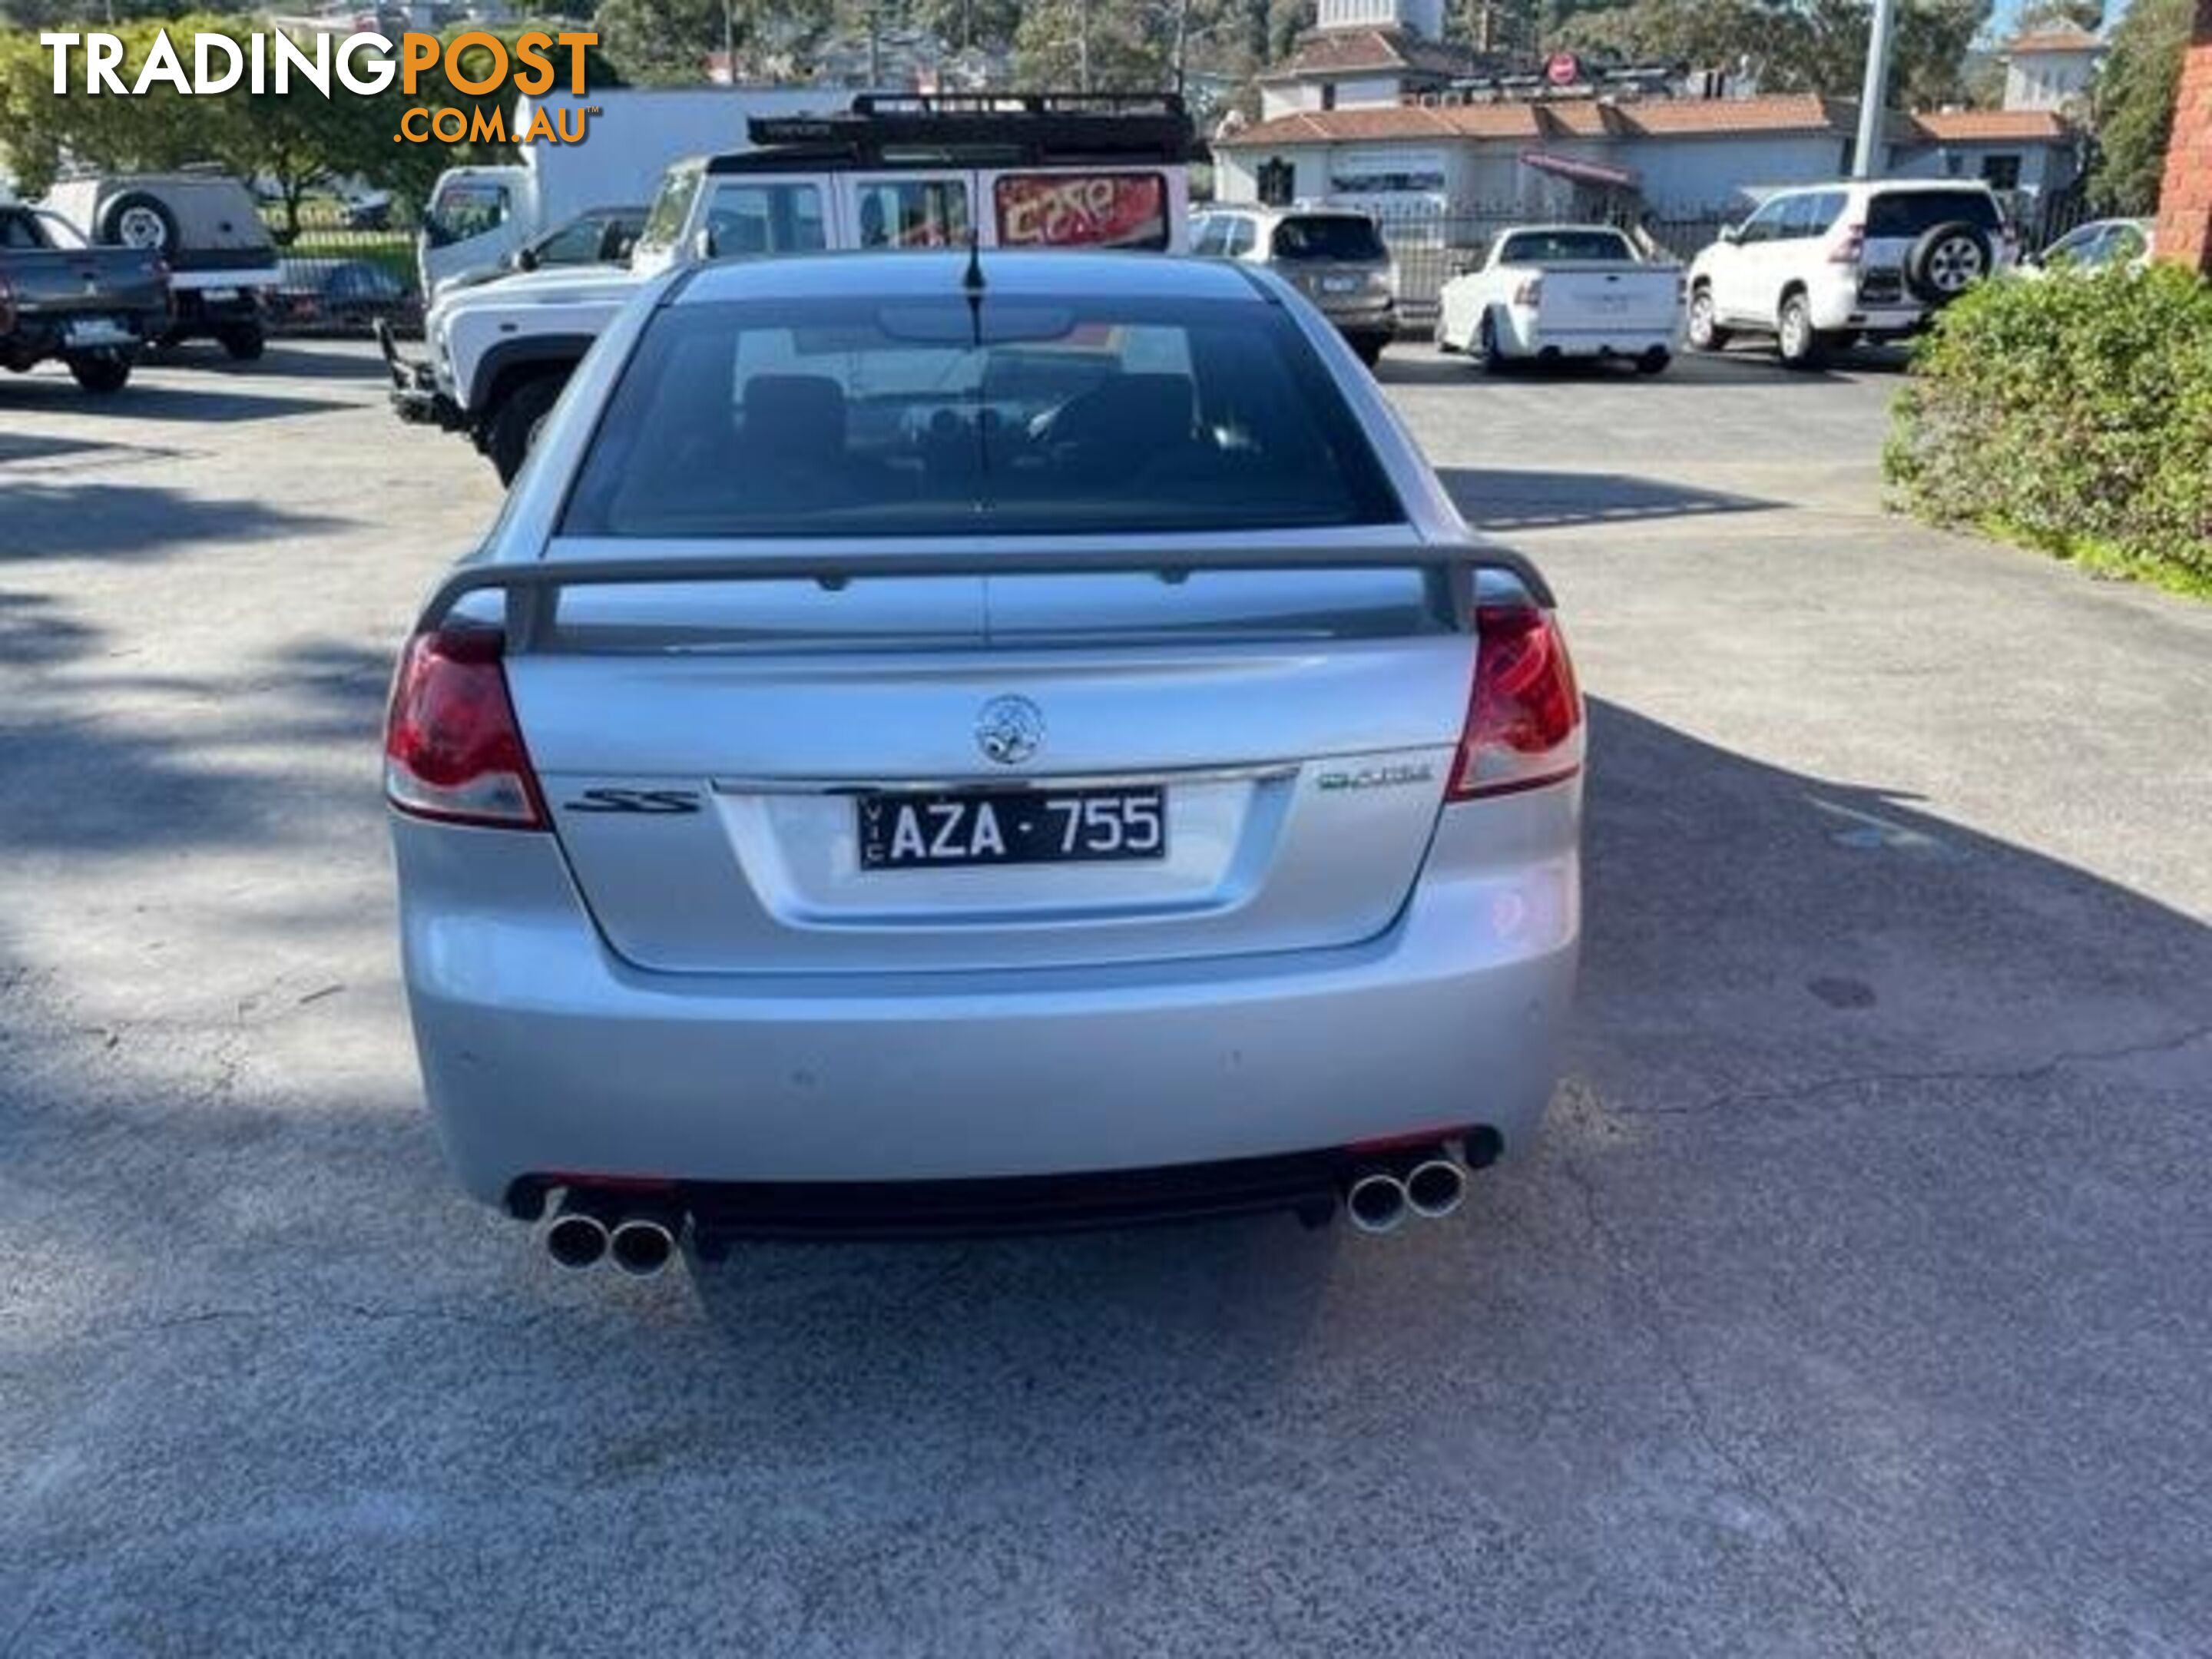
(1858, 1301)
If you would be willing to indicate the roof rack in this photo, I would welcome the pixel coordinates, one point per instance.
(1030, 127)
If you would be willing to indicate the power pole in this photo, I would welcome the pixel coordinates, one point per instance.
(1874, 97)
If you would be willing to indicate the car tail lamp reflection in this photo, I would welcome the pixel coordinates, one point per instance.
(1524, 717)
(453, 750)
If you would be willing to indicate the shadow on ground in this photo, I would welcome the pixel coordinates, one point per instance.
(116, 785)
(1823, 1321)
(144, 399)
(1495, 498)
(45, 519)
(1739, 366)
(322, 357)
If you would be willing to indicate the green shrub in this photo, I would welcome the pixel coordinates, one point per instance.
(2073, 413)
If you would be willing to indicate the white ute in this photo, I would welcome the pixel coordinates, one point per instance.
(1550, 292)
(893, 172)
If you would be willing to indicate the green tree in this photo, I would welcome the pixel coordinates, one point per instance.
(2048, 17)
(1795, 45)
(2132, 104)
(1093, 46)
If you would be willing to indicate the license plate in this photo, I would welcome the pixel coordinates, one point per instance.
(1340, 284)
(932, 830)
(96, 332)
(219, 293)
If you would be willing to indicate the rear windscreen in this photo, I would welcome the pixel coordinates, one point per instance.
(1548, 247)
(1916, 212)
(1330, 236)
(936, 417)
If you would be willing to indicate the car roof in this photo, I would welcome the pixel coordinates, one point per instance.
(1964, 187)
(1039, 273)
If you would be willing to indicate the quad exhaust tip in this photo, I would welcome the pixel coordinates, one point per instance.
(1434, 1189)
(640, 1247)
(576, 1240)
(582, 1235)
(1376, 1203)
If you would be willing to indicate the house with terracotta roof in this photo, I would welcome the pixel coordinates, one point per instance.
(1373, 110)
(1673, 158)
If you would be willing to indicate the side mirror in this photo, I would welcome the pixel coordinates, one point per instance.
(1463, 260)
(526, 258)
(702, 242)
(1731, 234)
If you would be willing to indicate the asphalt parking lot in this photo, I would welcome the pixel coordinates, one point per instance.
(1858, 1302)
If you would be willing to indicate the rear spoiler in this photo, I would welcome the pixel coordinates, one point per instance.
(532, 591)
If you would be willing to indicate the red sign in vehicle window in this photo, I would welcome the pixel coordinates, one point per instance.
(1086, 210)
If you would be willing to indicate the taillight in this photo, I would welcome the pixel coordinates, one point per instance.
(452, 748)
(1524, 717)
(1530, 292)
(1849, 246)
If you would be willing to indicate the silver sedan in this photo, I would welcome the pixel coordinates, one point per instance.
(940, 743)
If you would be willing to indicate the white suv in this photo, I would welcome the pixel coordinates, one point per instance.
(1821, 267)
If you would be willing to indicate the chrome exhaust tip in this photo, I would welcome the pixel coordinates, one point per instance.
(641, 1246)
(1376, 1203)
(576, 1239)
(1434, 1189)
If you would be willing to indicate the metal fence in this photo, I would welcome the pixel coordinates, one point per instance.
(324, 289)
(1428, 248)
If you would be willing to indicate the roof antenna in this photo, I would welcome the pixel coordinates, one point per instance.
(972, 283)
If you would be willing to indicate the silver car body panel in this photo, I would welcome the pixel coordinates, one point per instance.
(543, 1051)
(1329, 953)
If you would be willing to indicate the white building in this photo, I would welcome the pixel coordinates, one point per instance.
(2050, 70)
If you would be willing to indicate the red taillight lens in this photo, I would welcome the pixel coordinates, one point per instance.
(1849, 246)
(1524, 718)
(452, 748)
(1529, 293)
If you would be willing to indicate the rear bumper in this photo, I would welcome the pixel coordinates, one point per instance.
(1839, 306)
(36, 338)
(543, 1052)
(1364, 319)
(1525, 339)
(202, 309)
(416, 395)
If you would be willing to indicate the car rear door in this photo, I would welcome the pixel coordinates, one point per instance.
(1897, 218)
